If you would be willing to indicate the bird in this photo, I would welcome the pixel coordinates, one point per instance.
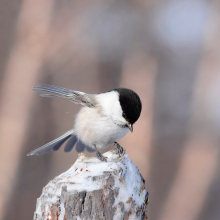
(103, 119)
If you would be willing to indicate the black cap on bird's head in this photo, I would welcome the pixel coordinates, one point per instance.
(130, 104)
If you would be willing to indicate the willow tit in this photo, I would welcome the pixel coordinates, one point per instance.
(104, 119)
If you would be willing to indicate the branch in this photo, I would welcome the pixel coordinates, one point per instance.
(93, 190)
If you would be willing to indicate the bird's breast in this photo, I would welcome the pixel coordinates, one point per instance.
(97, 129)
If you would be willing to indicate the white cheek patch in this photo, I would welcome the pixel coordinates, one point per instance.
(106, 101)
(117, 113)
(111, 106)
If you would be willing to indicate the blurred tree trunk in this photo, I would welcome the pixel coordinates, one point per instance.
(8, 26)
(178, 57)
(21, 73)
(109, 75)
(172, 104)
(207, 103)
(31, 168)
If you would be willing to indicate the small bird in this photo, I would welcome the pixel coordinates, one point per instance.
(104, 119)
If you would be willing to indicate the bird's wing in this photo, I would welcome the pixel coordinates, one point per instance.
(57, 143)
(70, 144)
(80, 146)
(89, 149)
(77, 97)
(53, 145)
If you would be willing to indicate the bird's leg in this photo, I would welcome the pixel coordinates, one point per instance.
(99, 155)
(120, 150)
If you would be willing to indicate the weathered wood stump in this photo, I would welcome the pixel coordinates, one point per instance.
(95, 190)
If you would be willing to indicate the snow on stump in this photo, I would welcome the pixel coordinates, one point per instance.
(95, 190)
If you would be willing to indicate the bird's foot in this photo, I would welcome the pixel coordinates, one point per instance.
(100, 156)
(120, 150)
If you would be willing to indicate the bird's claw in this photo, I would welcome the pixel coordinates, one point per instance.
(120, 150)
(101, 157)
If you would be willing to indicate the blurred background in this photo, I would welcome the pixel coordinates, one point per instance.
(167, 51)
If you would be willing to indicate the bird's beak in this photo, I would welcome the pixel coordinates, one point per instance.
(130, 126)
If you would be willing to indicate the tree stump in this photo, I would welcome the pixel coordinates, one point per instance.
(95, 190)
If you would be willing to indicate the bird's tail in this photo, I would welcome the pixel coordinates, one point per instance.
(57, 143)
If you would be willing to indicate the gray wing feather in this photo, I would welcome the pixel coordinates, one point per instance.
(89, 149)
(60, 143)
(71, 143)
(53, 145)
(78, 97)
(80, 147)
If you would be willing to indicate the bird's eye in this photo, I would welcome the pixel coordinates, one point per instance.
(123, 114)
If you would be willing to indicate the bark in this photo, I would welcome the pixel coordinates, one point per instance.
(95, 190)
